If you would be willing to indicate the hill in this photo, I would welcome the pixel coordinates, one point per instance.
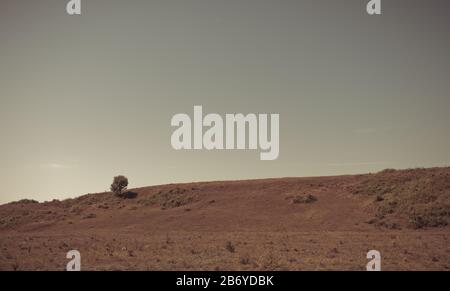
(316, 223)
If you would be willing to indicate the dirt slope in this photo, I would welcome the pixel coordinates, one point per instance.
(290, 223)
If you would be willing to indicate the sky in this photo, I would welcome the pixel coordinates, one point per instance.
(85, 98)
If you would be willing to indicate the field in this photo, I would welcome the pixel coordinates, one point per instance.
(319, 223)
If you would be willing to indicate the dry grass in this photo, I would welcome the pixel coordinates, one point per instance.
(415, 198)
(170, 198)
(268, 224)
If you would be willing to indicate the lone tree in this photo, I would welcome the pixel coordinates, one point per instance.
(119, 184)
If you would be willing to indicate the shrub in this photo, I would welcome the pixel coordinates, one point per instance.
(244, 261)
(26, 201)
(419, 221)
(230, 247)
(304, 199)
(119, 184)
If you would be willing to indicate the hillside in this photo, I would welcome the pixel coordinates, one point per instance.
(288, 224)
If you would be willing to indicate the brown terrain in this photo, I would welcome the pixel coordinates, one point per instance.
(320, 223)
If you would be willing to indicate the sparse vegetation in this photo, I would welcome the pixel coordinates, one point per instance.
(419, 198)
(379, 198)
(120, 183)
(26, 201)
(90, 216)
(244, 261)
(268, 262)
(434, 217)
(170, 198)
(304, 199)
(241, 225)
(230, 247)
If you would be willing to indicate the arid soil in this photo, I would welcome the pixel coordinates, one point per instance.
(320, 223)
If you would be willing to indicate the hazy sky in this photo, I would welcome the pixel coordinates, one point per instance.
(83, 98)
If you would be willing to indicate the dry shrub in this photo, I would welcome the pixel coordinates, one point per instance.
(171, 198)
(120, 183)
(417, 198)
(304, 199)
(230, 247)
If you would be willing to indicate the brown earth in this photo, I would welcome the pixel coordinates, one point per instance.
(320, 223)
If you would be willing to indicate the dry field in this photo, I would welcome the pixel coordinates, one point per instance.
(321, 223)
